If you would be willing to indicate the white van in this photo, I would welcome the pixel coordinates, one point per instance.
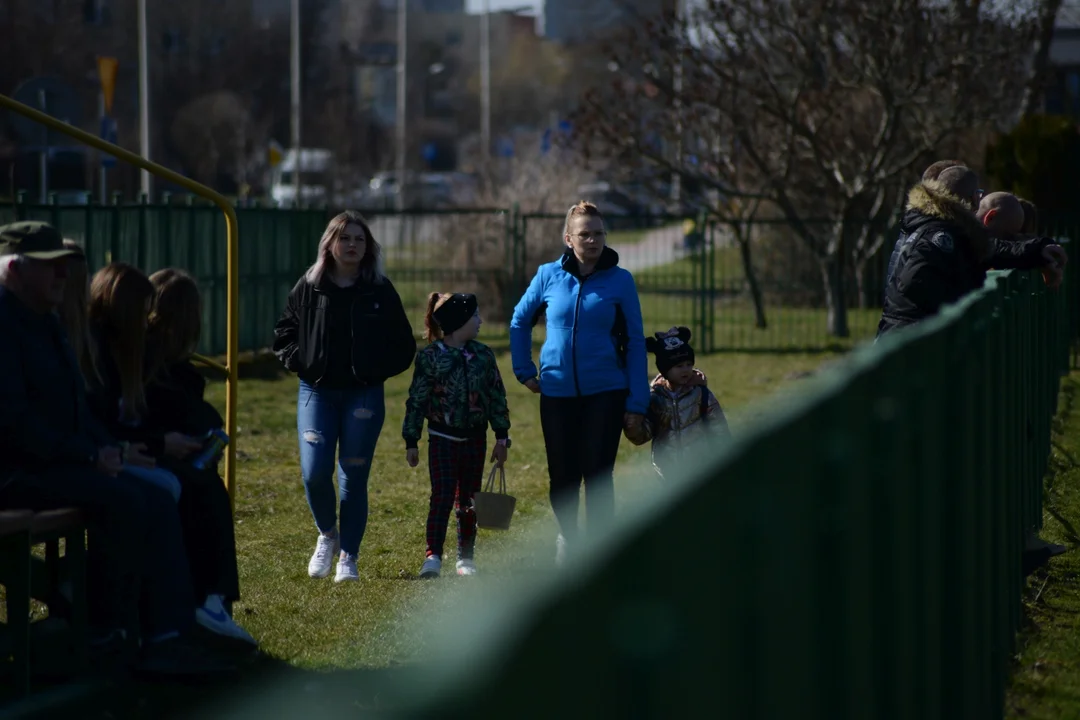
(316, 177)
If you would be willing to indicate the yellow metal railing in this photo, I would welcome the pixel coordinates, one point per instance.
(232, 327)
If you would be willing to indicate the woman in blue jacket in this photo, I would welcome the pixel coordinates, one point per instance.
(593, 374)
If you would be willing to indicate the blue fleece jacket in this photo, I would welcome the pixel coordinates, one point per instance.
(580, 356)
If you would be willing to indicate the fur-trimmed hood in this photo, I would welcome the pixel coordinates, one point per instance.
(930, 201)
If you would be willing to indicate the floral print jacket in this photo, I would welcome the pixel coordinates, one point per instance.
(459, 391)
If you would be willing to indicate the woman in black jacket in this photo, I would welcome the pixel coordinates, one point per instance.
(344, 332)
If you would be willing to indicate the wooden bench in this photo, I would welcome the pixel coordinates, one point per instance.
(58, 582)
(15, 543)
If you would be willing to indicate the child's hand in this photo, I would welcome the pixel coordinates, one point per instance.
(498, 455)
(412, 456)
(698, 378)
(634, 428)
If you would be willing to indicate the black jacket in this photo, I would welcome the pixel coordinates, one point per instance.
(382, 342)
(942, 254)
(1004, 254)
(175, 402)
(44, 417)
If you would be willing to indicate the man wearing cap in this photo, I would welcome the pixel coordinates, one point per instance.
(53, 454)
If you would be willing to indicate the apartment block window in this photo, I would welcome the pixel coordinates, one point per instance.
(214, 45)
(173, 41)
(96, 12)
(45, 10)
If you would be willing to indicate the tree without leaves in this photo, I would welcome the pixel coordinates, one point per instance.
(821, 110)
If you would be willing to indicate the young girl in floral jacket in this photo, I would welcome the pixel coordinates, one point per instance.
(457, 388)
(682, 410)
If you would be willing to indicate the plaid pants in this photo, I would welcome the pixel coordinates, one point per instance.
(457, 472)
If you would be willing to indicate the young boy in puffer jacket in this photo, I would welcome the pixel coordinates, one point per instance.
(682, 410)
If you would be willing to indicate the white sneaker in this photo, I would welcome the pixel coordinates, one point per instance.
(560, 551)
(346, 569)
(432, 567)
(466, 568)
(322, 562)
(216, 619)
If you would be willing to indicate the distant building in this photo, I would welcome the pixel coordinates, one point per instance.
(1063, 84)
(574, 21)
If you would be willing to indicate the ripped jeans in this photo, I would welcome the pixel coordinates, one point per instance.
(329, 420)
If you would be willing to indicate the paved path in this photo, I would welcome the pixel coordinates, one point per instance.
(660, 246)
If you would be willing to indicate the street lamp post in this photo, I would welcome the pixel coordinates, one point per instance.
(294, 107)
(402, 105)
(144, 98)
(485, 83)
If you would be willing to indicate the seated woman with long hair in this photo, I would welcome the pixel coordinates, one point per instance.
(175, 403)
(74, 317)
(121, 297)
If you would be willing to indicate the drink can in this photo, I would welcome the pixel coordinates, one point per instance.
(216, 442)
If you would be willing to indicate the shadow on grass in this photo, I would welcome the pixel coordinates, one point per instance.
(265, 687)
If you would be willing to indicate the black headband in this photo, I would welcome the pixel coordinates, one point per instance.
(455, 312)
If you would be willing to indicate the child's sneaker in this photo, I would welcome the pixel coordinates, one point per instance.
(346, 569)
(466, 568)
(432, 567)
(322, 561)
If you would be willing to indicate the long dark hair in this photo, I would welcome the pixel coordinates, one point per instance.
(119, 296)
(175, 323)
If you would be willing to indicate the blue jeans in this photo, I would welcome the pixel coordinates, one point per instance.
(327, 420)
(156, 476)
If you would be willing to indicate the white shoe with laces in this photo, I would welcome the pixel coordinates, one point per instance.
(432, 567)
(346, 569)
(466, 568)
(214, 617)
(322, 561)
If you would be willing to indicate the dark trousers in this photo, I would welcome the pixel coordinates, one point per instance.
(209, 535)
(582, 438)
(457, 471)
(135, 552)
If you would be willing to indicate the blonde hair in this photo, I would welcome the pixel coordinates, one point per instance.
(432, 331)
(583, 208)
(371, 270)
(73, 312)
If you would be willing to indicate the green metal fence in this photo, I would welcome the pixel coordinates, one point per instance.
(696, 279)
(856, 554)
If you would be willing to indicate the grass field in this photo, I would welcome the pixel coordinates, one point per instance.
(316, 624)
(1046, 677)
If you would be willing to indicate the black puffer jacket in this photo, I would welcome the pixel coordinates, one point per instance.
(943, 254)
(382, 344)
